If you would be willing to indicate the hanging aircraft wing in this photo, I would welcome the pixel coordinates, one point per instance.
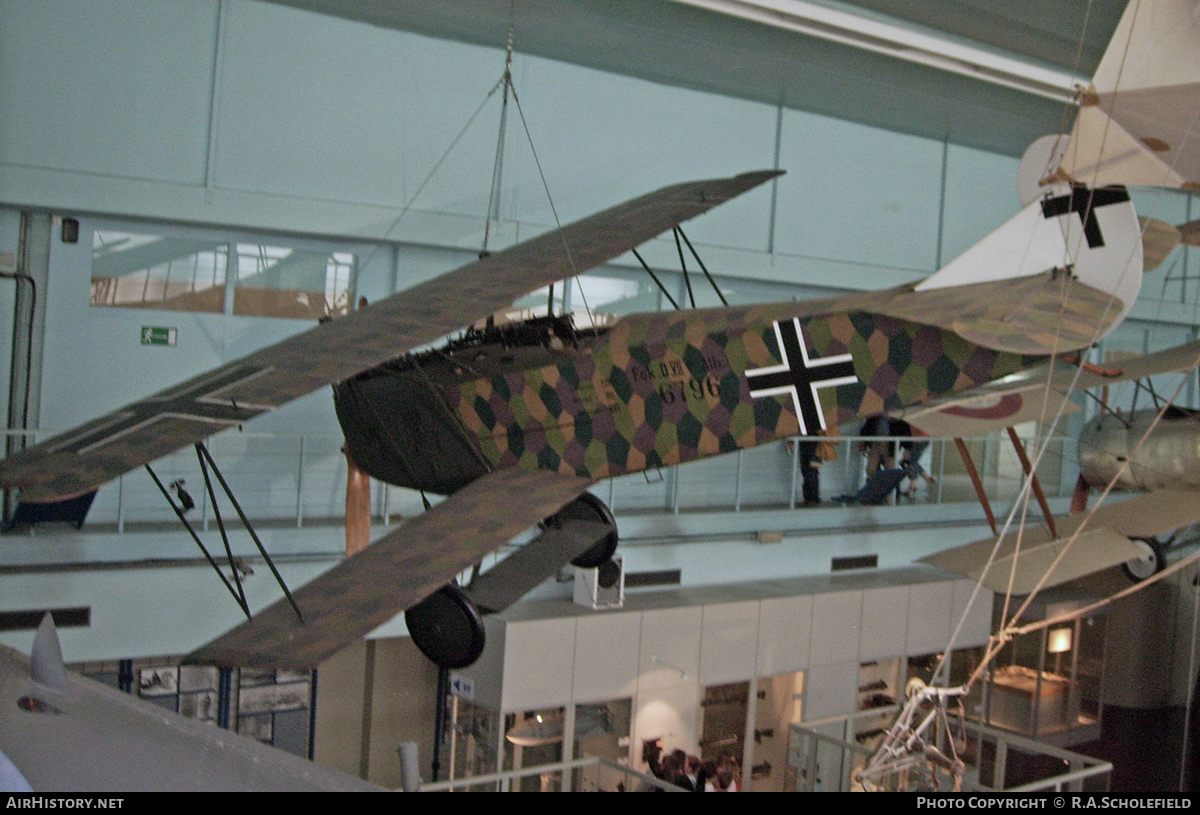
(76, 734)
(1106, 540)
(1137, 122)
(1095, 549)
(394, 573)
(85, 458)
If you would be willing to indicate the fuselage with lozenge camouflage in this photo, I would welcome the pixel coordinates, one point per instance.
(664, 388)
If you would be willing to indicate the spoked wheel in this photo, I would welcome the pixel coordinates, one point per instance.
(447, 628)
(588, 507)
(1152, 560)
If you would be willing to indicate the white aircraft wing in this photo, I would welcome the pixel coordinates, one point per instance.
(77, 735)
(1138, 121)
(1107, 540)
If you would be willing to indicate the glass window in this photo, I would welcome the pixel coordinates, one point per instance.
(134, 270)
(278, 281)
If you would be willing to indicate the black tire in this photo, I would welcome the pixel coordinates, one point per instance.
(447, 628)
(588, 507)
(608, 573)
(1151, 563)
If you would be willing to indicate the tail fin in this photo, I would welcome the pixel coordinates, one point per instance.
(1092, 235)
(46, 660)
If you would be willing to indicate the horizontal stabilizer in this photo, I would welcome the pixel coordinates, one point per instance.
(1179, 358)
(1189, 233)
(1143, 516)
(980, 414)
(1159, 239)
(1085, 243)
(394, 573)
(1104, 542)
(100, 451)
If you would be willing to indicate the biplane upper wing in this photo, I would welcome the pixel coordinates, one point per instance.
(394, 573)
(1106, 539)
(97, 452)
(1137, 121)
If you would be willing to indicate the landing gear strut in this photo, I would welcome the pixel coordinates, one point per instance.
(447, 626)
(1152, 561)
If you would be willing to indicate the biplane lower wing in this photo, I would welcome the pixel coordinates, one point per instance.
(394, 573)
(1107, 539)
(100, 451)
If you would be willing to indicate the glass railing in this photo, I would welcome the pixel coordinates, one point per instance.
(589, 774)
(823, 756)
(301, 479)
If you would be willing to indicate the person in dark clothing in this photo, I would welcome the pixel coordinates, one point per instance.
(879, 453)
(810, 473)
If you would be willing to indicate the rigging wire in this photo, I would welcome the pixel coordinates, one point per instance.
(1009, 629)
(550, 199)
(1024, 499)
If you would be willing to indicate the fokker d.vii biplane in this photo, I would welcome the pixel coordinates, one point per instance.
(516, 422)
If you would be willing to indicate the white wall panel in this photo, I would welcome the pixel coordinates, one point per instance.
(835, 627)
(858, 194)
(606, 656)
(929, 608)
(602, 139)
(112, 87)
(884, 622)
(784, 632)
(976, 616)
(729, 642)
(830, 690)
(670, 647)
(670, 713)
(317, 107)
(539, 660)
(981, 194)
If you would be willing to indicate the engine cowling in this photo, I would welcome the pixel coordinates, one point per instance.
(1169, 456)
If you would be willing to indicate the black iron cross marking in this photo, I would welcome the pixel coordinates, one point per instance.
(196, 401)
(1084, 200)
(801, 377)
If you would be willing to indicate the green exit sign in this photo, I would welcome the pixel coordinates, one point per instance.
(158, 335)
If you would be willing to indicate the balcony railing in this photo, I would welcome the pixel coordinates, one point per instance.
(301, 479)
